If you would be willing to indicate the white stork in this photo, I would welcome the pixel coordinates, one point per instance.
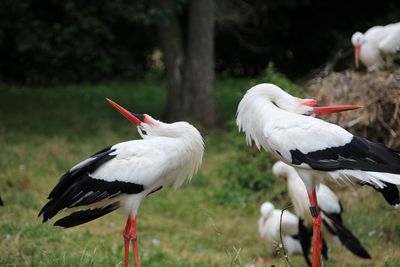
(329, 204)
(269, 229)
(295, 237)
(378, 47)
(123, 174)
(278, 122)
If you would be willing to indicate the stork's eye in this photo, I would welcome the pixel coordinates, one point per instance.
(143, 131)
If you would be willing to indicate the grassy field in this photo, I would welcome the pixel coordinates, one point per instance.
(208, 222)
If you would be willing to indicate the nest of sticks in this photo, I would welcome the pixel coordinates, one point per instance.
(377, 92)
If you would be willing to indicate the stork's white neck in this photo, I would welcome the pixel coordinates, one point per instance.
(261, 104)
(191, 150)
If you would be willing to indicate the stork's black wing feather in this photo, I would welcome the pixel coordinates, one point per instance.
(1, 202)
(359, 154)
(334, 224)
(77, 188)
(86, 166)
(85, 216)
(390, 192)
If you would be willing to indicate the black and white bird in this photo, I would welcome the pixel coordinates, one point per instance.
(281, 124)
(120, 176)
(296, 238)
(378, 47)
(329, 204)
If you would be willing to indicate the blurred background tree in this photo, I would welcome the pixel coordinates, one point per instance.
(49, 41)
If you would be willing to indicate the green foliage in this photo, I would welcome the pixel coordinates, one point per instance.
(228, 92)
(72, 41)
(247, 173)
(271, 75)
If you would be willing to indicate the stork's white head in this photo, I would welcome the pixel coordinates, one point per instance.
(264, 100)
(192, 145)
(146, 125)
(283, 170)
(357, 40)
(149, 127)
(266, 209)
(271, 93)
(275, 95)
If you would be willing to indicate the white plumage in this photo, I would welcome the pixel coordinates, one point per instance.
(276, 121)
(269, 229)
(378, 47)
(123, 174)
(281, 124)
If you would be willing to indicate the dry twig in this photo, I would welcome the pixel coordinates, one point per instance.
(377, 92)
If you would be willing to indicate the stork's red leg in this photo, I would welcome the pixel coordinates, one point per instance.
(134, 244)
(126, 249)
(130, 235)
(316, 220)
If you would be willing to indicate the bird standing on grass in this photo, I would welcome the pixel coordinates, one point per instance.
(120, 176)
(378, 47)
(330, 207)
(281, 124)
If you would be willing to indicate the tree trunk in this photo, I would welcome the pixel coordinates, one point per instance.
(171, 42)
(189, 63)
(198, 81)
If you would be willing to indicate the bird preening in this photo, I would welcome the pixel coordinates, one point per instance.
(121, 175)
(281, 124)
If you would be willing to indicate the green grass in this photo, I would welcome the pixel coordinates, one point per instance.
(208, 222)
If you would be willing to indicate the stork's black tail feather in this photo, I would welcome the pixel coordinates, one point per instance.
(348, 240)
(1, 202)
(390, 192)
(85, 216)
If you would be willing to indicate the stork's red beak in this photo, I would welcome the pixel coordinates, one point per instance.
(357, 56)
(134, 118)
(321, 110)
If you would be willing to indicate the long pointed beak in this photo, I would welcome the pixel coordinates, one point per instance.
(321, 110)
(134, 118)
(357, 56)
